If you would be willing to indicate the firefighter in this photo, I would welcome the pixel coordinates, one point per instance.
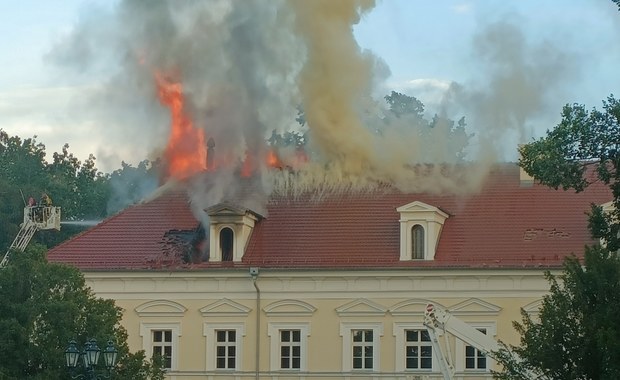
(46, 201)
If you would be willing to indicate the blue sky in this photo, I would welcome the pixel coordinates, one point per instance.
(427, 45)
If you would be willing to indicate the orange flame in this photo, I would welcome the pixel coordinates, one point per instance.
(186, 152)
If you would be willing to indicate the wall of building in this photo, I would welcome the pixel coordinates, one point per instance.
(325, 305)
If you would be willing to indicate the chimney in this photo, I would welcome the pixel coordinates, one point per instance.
(210, 153)
(525, 180)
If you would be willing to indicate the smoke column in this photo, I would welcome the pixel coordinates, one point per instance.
(246, 66)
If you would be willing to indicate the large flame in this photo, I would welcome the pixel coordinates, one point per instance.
(186, 152)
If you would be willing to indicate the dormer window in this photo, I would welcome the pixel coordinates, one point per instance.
(417, 242)
(230, 228)
(420, 229)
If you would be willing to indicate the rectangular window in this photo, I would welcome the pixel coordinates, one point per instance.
(226, 349)
(362, 349)
(474, 358)
(162, 346)
(418, 350)
(290, 349)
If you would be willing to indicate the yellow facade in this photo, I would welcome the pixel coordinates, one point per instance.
(323, 307)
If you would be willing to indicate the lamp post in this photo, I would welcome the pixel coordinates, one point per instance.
(90, 358)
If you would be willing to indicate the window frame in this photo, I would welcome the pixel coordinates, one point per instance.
(346, 332)
(273, 331)
(146, 332)
(400, 356)
(210, 334)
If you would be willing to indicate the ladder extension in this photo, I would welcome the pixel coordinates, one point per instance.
(21, 241)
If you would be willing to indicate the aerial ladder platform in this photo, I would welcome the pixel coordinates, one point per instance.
(35, 218)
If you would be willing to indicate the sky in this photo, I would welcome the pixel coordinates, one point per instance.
(525, 57)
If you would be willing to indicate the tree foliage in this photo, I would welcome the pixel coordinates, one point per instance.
(42, 307)
(577, 334)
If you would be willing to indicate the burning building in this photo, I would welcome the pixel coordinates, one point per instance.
(284, 288)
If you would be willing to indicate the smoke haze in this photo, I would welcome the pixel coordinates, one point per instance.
(246, 67)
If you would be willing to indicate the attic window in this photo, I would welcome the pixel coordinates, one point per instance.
(417, 242)
(420, 230)
(226, 243)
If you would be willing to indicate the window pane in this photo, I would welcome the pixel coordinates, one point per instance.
(231, 362)
(232, 336)
(357, 335)
(221, 350)
(470, 363)
(426, 351)
(157, 334)
(426, 363)
(296, 363)
(368, 363)
(357, 362)
(482, 363)
(231, 350)
(285, 336)
(296, 351)
(412, 335)
(284, 362)
(357, 351)
(221, 336)
(470, 351)
(412, 363)
(296, 336)
(424, 336)
(286, 351)
(221, 363)
(368, 335)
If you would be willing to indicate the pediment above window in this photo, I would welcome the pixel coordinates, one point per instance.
(411, 308)
(360, 307)
(225, 308)
(289, 308)
(161, 308)
(475, 306)
(420, 230)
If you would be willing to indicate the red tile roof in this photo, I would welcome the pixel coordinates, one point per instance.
(504, 225)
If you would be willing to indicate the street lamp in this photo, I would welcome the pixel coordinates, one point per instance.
(90, 359)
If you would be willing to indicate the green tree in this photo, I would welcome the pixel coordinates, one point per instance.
(577, 335)
(42, 307)
(401, 104)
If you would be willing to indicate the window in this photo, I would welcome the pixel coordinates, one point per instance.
(224, 345)
(226, 349)
(162, 346)
(418, 350)
(474, 358)
(417, 242)
(290, 349)
(289, 342)
(162, 339)
(226, 243)
(362, 349)
(361, 345)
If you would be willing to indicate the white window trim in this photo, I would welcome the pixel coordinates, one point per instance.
(347, 344)
(400, 357)
(147, 343)
(209, 330)
(459, 351)
(273, 330)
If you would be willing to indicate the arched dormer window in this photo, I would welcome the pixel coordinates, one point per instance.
(417, 242)
(226, 243)
(420, 230)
